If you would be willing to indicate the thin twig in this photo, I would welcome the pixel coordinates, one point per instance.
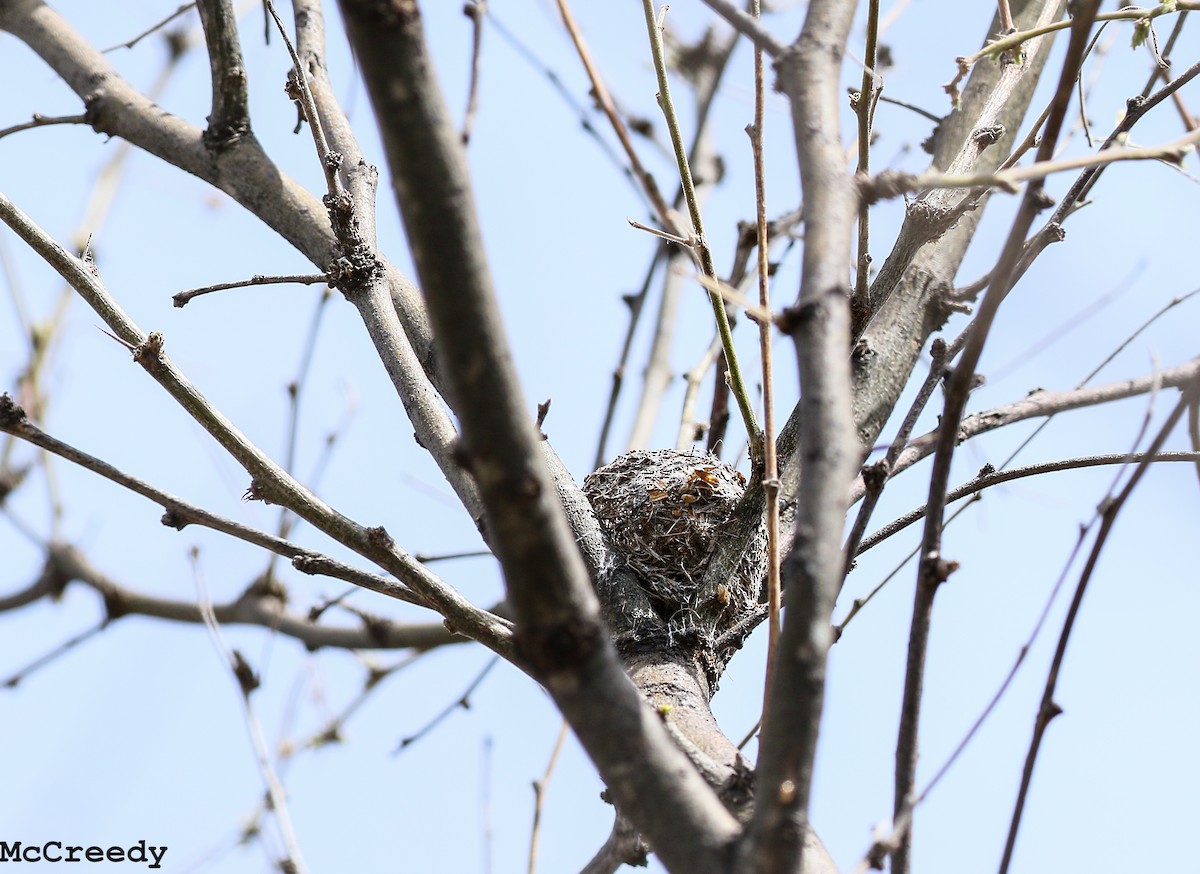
(539, 795)
(864, 109)
(877, 475)
(1014, 40)
(1048, 709)
(858, 604)
(934, 567)
(247, 682)
(40, 120)
(180, 513)
(18, 676)
(582, 112)
(476, 10)
(329, 161)
(770, 473)
(269, 481)
(1036, 405)
(463, 702)
(689, 429)
(686, 241)
(181, 298)
(990, 477)
(734, 296)
(749, 26)
(893, 184)
(737, 383)
(151, 29)
(295, 392)
(428, 558)
(924, 113)
(604, 99)
(636, 303)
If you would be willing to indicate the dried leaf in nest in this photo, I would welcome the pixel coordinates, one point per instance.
(661, 513)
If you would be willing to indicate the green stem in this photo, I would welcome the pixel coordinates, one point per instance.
(736, 382)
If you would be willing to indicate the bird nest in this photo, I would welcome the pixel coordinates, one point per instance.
(662, 512)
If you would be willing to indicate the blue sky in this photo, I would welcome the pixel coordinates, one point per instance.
(138, 733)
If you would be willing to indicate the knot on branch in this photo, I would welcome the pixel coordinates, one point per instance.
(150, 351)
(355, 265)
(988, 135)
(12, 414)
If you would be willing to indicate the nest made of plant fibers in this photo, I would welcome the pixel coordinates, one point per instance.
(662, 511)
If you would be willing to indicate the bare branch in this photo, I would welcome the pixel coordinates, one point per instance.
(242, 170)
(247, 681)
(260, 606)
(179, 514)
(560, 635)
(819, 325)
(989, 477)
(476, 10)
(40, 120)
(181, 298)
(906, 295)
(128, 44)
(737, 383)
(934, 568)
(1037, 404)
(895, 184)
(1048, 709)
(539, 796)
(747, 26)
(269, 481)
(600, 91)
(229, 119)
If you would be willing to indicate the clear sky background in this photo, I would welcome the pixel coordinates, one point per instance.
(138, 733)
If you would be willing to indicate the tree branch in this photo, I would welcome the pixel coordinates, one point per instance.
(179, 514)
(1048, 709)
(269, 481)
(560, 637)
(905, 296)
(229, 119)
(262, 607)
(1037, 404)
(934, 568)
(819, 325)
(989, 477)
(242, 169)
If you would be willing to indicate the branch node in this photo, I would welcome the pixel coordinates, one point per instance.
(150, 351)
(988, 136)
(378, 537)
(175, 519)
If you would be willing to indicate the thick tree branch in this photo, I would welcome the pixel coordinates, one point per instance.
(230, 116)
(561, 637)
(819, 324)
(905, 297)
(242, 169)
